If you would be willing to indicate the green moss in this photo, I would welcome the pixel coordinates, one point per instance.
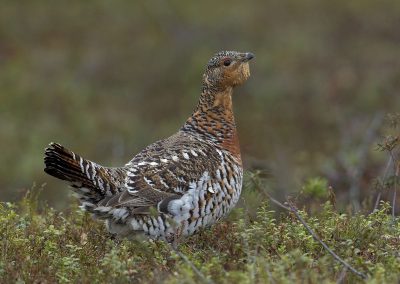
(40, 244)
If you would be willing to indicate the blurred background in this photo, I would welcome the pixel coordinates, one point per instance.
(106, 78)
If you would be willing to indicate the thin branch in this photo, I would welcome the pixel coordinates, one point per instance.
(292, 208)
(194, 268)
(343, 262)
(342, 275)
(277, 202)
(396, 174)
(378, 198)
(362, 155)
(394, 199)
(264, 192)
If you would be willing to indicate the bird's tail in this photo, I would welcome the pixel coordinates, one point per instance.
(91, 181)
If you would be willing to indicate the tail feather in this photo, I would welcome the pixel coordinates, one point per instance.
(91, 181)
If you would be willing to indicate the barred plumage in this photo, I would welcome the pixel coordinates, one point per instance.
(174, 186)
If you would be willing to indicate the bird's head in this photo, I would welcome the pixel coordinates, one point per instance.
(227, 69)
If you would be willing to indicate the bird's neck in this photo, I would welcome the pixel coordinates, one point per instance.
(213, 119)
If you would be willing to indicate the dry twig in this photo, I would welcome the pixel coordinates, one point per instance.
(342, 275)
(378, 198)
(362, 154)
(194, 268)
(396, 166)
(293, 209)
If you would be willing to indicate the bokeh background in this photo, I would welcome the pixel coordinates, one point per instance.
(106, 78)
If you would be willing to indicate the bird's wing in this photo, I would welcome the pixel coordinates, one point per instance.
(164, 171)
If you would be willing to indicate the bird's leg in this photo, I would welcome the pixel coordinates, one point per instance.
(178, 236)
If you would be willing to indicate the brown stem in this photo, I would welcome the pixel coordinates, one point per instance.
(292, 208)
(331, 252)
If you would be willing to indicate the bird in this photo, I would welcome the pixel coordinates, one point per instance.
(175, 186)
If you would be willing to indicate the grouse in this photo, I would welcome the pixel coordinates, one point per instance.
(174, 186)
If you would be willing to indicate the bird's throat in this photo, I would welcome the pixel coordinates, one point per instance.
(214, 117)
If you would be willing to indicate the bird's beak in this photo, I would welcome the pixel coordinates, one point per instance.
(247, 56)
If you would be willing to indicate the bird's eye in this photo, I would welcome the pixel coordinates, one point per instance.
(227, 62)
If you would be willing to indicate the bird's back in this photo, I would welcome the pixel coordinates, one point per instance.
(190, 181)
